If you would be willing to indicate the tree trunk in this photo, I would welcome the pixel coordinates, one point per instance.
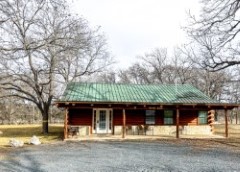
(45, 123)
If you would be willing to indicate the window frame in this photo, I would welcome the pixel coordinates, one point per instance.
(150, 118)
(201, 118)
(168, 120)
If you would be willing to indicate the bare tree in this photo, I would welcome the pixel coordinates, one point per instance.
(231, 92)
(158, 67)
(124, 77)
(216, 31)
(211, 83)
(136, 73)
(153, 67)
(156, 62)
(90, 55)
(38, 39)
(183, 67)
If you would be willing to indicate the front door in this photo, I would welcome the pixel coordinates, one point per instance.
(102, 120)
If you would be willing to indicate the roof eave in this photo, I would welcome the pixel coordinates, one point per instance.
(210, 105)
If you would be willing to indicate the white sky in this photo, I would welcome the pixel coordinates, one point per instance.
(134, 27)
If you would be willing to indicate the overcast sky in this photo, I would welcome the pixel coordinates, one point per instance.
(134, 27)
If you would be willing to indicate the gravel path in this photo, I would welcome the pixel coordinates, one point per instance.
(122, 156)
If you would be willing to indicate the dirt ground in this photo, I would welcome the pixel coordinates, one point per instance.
(159, 155)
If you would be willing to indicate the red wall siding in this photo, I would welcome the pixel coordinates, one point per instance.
(159, 117)
(135, 117)
(117, 117)
(80, 117)
(188, 117)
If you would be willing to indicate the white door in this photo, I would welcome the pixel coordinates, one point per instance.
(102, 119)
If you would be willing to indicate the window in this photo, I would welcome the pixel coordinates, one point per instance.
(168, 117)
(202, 117)
(150, 117)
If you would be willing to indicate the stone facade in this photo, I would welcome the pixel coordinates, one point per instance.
(79, 130)
(149, 130)
(117, 130)
(165, 130)
(197, 130)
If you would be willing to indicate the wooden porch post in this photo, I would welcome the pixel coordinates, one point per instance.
(90, 130)
(124, 124)
(237, 116)
(113, 126)
(113, 129)
(226, 122)
(177, 122)
(66, 124)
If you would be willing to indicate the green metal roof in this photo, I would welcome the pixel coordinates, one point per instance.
(134, 93)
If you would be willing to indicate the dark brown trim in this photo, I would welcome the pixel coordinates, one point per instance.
(124, 124)
(91, 130)
(66, 124)
(145, 106)
(226, 123)
(113, 129)
(237, 116)
(177, 122)
(209, 105)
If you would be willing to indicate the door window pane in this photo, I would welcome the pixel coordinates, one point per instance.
(102, 120)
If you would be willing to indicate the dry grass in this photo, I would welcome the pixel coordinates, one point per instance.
(233, 130)
(25, 132)
(233, 133)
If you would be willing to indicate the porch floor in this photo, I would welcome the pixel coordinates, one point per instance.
(104, 137)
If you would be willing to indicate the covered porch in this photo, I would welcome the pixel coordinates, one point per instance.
(113, 121)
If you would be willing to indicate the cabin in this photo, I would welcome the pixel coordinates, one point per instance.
(134, 109)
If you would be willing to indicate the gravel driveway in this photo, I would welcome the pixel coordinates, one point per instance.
(183, 155)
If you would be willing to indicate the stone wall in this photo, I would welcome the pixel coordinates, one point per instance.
(165, 130)
(117, 130)
(197, 130)
(186, 130)
(78, 130)
(149, 130)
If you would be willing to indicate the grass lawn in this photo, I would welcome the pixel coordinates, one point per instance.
(25, 132)
(233, 134)
(233, 130)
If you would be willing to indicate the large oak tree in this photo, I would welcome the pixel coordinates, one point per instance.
(44, 46)
(216, 32)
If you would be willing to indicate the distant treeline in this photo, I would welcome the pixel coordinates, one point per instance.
(16, 113)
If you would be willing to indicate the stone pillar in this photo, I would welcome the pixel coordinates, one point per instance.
(210, 119)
